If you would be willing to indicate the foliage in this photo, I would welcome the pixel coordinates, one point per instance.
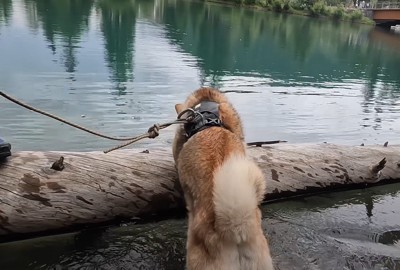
(299, 4)
(328, 8)
(335, 3)
(319, 8)
(287, 6)
(356, 15)
(339, 12)
(277, 5)
(249, 2)
(262, 3)
(366, 20)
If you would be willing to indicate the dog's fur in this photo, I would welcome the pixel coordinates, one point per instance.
(223, 189)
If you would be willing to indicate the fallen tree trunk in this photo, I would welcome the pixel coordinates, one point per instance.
(94, 187)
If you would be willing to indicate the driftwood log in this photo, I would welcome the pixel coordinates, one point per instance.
(43, 193)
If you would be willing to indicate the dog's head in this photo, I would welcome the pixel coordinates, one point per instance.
(227, 113)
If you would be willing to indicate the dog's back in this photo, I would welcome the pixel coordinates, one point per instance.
(222, 189)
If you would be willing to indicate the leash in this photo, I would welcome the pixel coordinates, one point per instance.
(155, 129)
(152, 132)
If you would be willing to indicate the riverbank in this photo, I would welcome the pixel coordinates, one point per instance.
(318, 9)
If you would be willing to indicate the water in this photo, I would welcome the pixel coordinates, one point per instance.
(120, 66)
(124, 65)
(347, 230)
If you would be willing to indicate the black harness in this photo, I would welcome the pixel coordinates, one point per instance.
(206, 116)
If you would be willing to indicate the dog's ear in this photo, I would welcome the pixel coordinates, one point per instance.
(224, 111)
(179, 108)
(230, 119)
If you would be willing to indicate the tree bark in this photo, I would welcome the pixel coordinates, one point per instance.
(94, 187)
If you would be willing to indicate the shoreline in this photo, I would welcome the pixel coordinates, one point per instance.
(292, 11)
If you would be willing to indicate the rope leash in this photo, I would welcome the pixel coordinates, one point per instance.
(152, 133)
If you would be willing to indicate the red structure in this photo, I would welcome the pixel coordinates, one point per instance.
(386, 13)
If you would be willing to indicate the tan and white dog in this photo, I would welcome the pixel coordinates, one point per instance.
(222, 187)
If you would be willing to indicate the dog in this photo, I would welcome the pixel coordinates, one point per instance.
(222, 187)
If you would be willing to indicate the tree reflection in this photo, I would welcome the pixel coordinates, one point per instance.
(62, 21)
(5, 11)
(231, 40)
(227, 41)
(118, 21)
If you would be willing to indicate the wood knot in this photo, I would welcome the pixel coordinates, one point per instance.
(378, 167)
(154, 131)
(385, 144)
(59, 164)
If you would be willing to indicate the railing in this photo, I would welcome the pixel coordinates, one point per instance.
(386, 5)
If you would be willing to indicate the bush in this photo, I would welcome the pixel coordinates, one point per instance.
(262, 3)
(366, 20)
(287, 6)
(329, 11)
(338, 13)
(299, 4)
(356, 15)
(319, 8)
(334, 3)
(277, 5)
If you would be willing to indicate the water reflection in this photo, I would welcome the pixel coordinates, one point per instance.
(5, 11)
(337, 224)
(369, 206)
(233, 41)
(153, 246)
(291, 50)
(228, 41)
(118, 22)
(308, 81)
(330, 231)
(63, 22)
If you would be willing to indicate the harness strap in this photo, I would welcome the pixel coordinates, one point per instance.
(206, 116)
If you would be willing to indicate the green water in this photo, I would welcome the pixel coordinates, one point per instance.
(120, 66)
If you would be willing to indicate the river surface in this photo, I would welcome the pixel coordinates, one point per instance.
(119, 66)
